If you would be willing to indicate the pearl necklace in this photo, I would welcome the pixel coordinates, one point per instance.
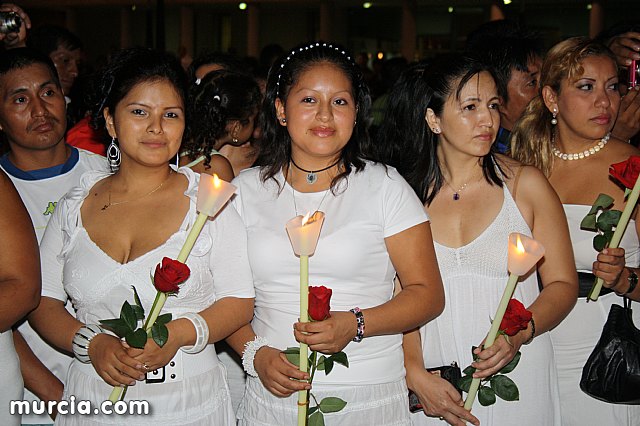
(584, 154)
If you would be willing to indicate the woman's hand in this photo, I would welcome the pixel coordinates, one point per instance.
(277, 374)
(112, 362)
(439, 398)
(329, 336)
(153, 356)
(609, 266)
(626, 47)
(628, 121)
(492, 359)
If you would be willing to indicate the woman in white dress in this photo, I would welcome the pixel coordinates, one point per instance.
(19, 289)
(440, 128)
(315, 111)
(576, 110)
(109, 234)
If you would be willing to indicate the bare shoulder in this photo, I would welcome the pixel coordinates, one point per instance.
(622, 150)
(220, 166)
(527, 181)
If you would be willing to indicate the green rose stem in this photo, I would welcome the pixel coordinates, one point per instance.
(493, 333)
(524, 252)
(303, 400)
(594, 293)
(213, 194)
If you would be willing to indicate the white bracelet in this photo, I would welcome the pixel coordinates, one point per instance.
(202, 333)
(82, 339)
(250, 349)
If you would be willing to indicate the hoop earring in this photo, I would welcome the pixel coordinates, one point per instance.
(178, 160)
(113, 155)
(554, 121)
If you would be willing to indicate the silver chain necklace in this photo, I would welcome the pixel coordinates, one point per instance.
(295, 207)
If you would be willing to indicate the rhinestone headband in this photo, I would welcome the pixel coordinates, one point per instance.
(302, 49)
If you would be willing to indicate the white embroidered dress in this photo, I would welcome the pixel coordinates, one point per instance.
(194, 390)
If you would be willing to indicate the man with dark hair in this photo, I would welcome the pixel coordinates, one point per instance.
(516, 55)
(43, 168)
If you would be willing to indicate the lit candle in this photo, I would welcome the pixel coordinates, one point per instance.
(303, 234)
(213, 194)
(524, 253)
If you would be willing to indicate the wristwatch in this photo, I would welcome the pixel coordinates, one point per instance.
(633, 282)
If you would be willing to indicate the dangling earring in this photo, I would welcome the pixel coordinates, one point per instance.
(554, 121)
(113, 155)
(177, 159)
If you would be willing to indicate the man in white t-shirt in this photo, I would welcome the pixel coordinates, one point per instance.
(43, 168)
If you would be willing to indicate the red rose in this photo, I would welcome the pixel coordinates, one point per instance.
(319, 298)
(169, 275)
(626, 172)
(516, 318)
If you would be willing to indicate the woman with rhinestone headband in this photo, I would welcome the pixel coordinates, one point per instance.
(314, 158)
(565, 133)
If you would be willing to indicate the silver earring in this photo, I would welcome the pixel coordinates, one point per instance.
(283, 120)
(177, 159)
(554, 121)
(436, 130)
(234, 140)
(113, 155)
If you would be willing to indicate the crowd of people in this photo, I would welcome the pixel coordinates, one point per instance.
(419, 199)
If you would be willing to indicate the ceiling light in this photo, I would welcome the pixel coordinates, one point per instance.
(242, 6)
(366, 4)
(450, 9)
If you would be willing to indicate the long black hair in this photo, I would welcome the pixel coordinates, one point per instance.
(275, 151)
(405, 141)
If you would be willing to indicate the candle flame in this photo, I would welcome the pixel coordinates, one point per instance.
(216, 181)
(305, 219)
(519, 245)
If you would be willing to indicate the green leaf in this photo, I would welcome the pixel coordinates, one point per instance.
(340, 358)
(160, 334)
(589, 222)
(469, 371)
(328, 365)
(486, 396)
(128, 315)
(608, 219)
(464, 383)
(504, 387)
(138, 311)
(512, 364)
(321, 360)
(312, 410)
(627, 191)
(137, 300)
(164, 318)
(117, 325)
(293, 355)
(599, 242)
(331, 404)
(316, 419)
(136, 339)
(602, 202)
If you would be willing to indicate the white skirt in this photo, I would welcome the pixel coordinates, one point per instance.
(201, 398)
(384, 404)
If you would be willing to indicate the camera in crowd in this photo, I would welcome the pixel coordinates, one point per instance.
(9, 22)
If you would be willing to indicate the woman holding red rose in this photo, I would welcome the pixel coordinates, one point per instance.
(566, 133)
(109, 234)
(313, 157)
(475, 198)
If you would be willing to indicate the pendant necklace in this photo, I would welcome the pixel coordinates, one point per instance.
(312, 175)
(295, 207)
(109, 203)
(456, 194)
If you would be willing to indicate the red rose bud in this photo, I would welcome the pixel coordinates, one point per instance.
(516, 318)
(169, 274)
(319, 298)
(626, 172)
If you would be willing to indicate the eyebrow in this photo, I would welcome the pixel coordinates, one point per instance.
(149, 106)
(24, 89)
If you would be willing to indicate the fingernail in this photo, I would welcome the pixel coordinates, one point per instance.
(132, 383)
(627, 62)
(142, 376)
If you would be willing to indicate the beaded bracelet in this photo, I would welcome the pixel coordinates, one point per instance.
(533, 332)
(82, 339)
(250, 350)
(202, 333)
(360, 321)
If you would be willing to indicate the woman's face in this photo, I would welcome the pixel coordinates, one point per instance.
(588, 105)
(320, 114)
(469, 123)
(148, 123)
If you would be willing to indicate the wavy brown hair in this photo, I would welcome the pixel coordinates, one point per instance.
(532, 137)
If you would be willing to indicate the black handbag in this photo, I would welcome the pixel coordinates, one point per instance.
(612, 372)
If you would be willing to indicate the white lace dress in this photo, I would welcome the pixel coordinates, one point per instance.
(194, 390)
(575, 338)
(474, 278)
